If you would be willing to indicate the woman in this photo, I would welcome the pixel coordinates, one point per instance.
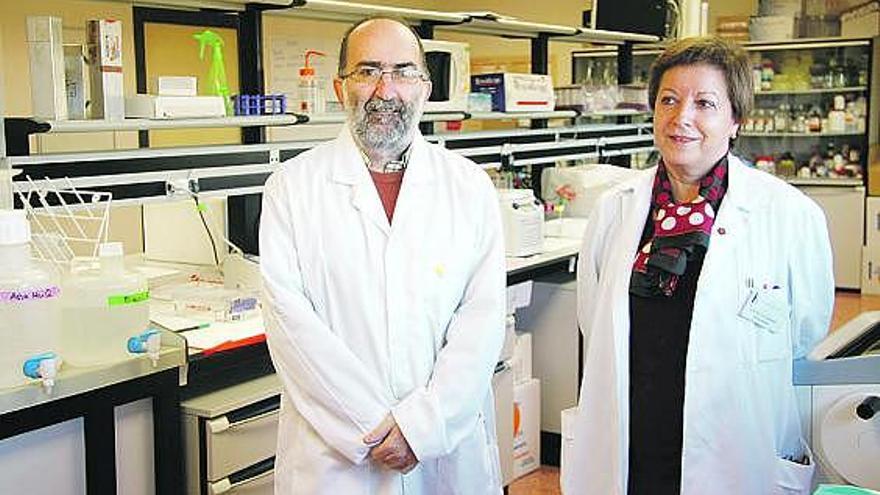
(692, 320)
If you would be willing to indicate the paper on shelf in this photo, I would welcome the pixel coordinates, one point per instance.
(204, 333)
(220, 332)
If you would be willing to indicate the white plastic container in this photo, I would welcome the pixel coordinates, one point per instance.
(104, 306)
(30, 308)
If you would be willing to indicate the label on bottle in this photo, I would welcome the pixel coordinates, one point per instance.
(30, 294)
(135, 298)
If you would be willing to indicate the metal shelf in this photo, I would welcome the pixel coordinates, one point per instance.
(555, 114)
(70, 126)
(798, 134)
(67, 126)
(815, 91)
(617, 112)
(483, 23)
(825, 182)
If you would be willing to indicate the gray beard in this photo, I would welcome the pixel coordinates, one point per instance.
(383, 134)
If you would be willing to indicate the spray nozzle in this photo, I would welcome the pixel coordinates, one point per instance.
(308, 70)
(208, 38)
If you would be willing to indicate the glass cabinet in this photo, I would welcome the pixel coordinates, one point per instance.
(810, 118)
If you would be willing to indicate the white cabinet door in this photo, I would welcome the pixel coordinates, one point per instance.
(845, 212)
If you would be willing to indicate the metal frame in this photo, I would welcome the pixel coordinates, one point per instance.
(96, 407)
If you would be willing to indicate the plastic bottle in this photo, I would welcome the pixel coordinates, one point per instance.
(311, 96)
(103, 308)
(30, 309)
(837, 115)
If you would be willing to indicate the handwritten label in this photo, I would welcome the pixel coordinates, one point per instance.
(30, 294)
(129, 298)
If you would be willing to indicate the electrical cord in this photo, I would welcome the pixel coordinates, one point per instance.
(207, 229)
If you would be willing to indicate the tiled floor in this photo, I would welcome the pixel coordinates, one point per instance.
(545, 481)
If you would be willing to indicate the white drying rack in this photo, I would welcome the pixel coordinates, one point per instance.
(65, 221)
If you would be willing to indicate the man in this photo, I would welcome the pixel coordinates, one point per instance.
(383, 267)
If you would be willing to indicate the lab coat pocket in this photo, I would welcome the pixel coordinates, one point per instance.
(474, 462)
(795, 478)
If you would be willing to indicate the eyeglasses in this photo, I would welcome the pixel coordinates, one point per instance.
(371, 75)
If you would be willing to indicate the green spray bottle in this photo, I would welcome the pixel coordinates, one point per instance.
(218, 85)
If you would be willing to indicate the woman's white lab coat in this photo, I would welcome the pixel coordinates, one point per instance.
(740, 414)
(364, 319)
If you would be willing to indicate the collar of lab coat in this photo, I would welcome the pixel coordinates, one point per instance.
(349, 166)
(736, 196)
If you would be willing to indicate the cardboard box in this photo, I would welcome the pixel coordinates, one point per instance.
(46, 60)
(513, 92)
(526, 427)
(502, 387)
(872, 222)
(76, 81)
(871, 270)
(862, 21)
(509, 339)
(522, 358)
(174, 107)
(772, 28)
(789, 8)
(105, 59)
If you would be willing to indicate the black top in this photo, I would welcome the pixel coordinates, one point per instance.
(659, 331)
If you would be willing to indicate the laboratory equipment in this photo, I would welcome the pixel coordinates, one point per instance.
(66, 221)
(523, 222)
(311, 98)
(838, 386)
(206, 301)
(103, 307)
(449, 65)
(586, 181)
(274, 104)
(174, 107)
(30, 308)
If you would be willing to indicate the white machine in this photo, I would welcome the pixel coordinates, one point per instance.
(523, 220)
(839, 389)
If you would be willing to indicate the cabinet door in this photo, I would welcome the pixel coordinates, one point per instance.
(59, 449)
(845, 213)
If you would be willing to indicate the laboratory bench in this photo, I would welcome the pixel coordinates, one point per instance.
(198, 421)
(98, 427)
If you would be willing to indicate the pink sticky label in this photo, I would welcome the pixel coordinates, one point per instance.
(29, 294)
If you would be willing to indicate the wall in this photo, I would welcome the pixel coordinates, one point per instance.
(125, 223)
(285, 38)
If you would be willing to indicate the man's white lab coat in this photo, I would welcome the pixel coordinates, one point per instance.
(740, 415)
(366, 319)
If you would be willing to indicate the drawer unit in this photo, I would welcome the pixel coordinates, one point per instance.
(230, 437)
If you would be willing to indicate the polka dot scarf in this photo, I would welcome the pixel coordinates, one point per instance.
(675, 232)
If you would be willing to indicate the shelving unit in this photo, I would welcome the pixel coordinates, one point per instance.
(813, 91)
(799, 134)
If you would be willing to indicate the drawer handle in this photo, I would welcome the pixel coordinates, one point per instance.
(254, 412)
(247, 475)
